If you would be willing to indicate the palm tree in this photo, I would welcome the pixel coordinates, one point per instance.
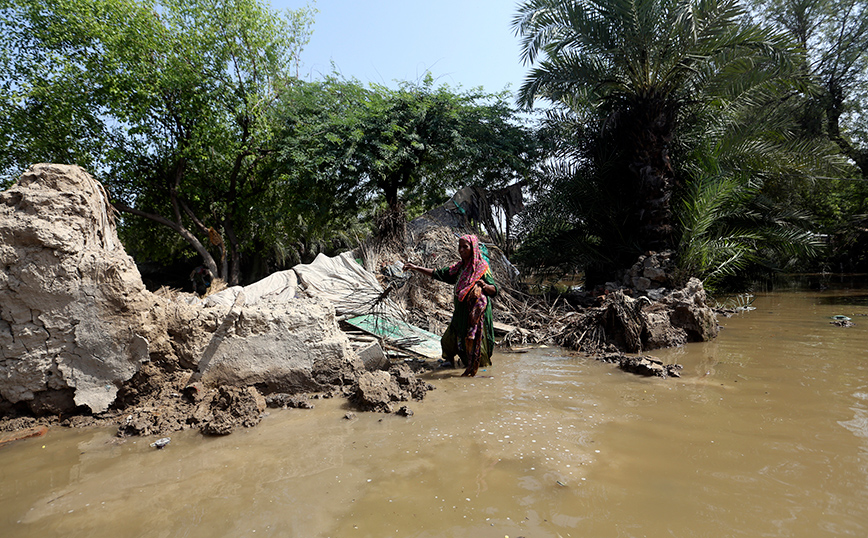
(729, 227)
(574, 221)
(638, 70)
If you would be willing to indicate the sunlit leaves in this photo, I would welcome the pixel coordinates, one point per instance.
(345, 147)
(166, 101)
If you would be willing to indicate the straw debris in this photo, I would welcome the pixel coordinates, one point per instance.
(606, 322)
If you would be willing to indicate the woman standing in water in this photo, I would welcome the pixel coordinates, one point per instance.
(470, 334)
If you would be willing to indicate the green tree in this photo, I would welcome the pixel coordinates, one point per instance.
(735, 220)
(316, 199)
(833, 36)
(166, 102)
(345, 147)
(731, 230)
(420, 140)
(576, 220)
(636, 69)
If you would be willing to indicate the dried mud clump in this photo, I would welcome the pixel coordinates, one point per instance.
(158, 403)
(228, 408)
(72, 302)
(620, 322)
(378, 391)
(646, 366)
(284, 401)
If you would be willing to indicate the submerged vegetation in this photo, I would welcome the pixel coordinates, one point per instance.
(730, 133)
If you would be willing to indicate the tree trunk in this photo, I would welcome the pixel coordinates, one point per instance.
(390, 192)
(234, 275)
(188, 236)
(178, 207)
(649, 134)
(834, 108)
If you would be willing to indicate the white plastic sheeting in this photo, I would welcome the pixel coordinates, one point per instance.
(343, 282)
(340, 280)
(277, 287)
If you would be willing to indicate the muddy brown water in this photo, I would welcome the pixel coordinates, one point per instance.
(766, 434)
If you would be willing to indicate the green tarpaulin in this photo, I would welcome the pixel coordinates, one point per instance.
(399, 334)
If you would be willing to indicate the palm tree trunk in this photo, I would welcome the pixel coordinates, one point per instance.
(647, 139)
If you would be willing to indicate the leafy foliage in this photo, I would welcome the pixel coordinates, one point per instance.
(166, 102)
(684, 118)
(637, 71)
(346, 149)
(729, 228)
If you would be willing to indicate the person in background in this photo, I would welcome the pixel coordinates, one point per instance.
(201, 278)
(470, 334)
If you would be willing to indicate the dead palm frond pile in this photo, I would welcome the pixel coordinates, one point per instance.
(616, 324)
(429, 303)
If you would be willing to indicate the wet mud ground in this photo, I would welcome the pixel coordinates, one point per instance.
(766, 434)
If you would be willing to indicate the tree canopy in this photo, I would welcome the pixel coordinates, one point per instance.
(165, 101)
(343, 145)
(654, 98)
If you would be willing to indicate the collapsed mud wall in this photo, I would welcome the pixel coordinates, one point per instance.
(278, 347)
(81, 336)
(70, 296)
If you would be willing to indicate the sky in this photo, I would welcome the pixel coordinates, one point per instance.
(462, 43)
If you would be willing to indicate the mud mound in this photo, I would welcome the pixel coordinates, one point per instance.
(378, 391)
(70, 296)
(162, 403)
(82, 338)
(645, 366)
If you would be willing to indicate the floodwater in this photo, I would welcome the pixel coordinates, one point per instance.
(766, 434)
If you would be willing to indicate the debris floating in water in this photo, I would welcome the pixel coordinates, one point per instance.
(160, 443)
(842, 321)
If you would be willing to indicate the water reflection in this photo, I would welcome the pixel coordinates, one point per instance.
(766, 434)
(847, 300)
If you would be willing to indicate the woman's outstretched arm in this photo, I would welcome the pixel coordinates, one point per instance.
(424, 270)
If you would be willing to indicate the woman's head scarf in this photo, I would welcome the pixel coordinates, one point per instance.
(470, 272)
